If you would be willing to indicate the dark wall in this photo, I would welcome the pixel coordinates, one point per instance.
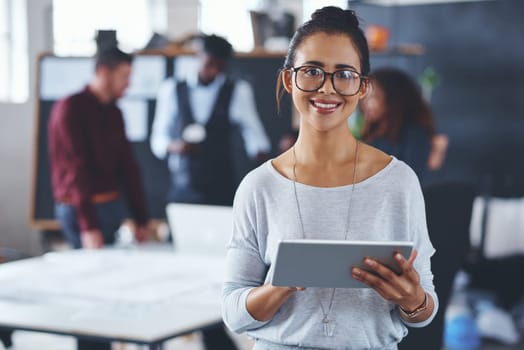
(478, 50)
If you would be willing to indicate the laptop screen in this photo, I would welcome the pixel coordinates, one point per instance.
(200, 229)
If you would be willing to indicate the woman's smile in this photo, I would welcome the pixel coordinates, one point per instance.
(323, 106)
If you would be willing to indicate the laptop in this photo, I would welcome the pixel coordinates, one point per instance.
(199, 228)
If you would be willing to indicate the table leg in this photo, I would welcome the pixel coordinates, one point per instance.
(155, 346)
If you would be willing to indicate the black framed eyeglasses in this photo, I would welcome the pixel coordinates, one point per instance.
(346, 81)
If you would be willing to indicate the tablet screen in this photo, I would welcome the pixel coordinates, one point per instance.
(327, 263)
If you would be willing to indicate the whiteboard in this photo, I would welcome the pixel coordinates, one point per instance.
(61, 76)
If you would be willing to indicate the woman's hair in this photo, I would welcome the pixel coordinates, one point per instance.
(330, 20)
(403, 104)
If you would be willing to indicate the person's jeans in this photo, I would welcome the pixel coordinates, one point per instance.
(109, 216)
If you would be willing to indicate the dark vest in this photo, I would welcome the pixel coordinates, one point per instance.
(206, 177)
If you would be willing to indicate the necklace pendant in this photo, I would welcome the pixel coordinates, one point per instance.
(329, 327)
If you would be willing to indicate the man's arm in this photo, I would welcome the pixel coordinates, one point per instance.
(243, 112)
(69, 150)
(165, 113)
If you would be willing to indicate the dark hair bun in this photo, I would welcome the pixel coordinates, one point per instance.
(335, 14)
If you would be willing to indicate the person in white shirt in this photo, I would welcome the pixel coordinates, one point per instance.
(193, 125)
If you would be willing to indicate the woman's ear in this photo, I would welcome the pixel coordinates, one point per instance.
(287, 75)
(365, 89)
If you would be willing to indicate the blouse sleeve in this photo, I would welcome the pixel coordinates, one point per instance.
(245, 268)
(419, 233)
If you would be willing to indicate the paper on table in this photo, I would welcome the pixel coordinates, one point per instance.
(129, 279)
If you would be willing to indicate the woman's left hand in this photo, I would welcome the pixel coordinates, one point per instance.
(403, 289)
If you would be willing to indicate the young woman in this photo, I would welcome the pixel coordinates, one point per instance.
(328, 186)
(398, 120)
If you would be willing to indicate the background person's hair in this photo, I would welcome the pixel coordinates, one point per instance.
(112, 57)
(330, 20)
(217, 47)
(403, 104)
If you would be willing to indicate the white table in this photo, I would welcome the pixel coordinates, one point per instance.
(136, 296)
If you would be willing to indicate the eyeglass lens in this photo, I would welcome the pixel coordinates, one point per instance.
(345, 82)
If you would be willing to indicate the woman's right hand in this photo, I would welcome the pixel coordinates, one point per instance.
(264, 302)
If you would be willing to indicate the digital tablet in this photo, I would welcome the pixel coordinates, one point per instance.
(327, 263)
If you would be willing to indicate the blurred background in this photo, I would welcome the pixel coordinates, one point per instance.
(467, 56)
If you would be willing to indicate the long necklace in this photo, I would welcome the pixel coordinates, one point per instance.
(328, 324)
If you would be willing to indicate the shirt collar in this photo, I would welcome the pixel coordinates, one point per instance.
(192, 81)
(90, 93)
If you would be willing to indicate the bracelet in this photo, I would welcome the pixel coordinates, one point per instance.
(412, 314)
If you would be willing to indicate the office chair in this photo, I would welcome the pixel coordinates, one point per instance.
(494, 274)
(448, 216)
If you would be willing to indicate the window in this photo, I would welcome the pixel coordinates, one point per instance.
(238, 31)
(75, 23)
(14, 64)
(213, 21)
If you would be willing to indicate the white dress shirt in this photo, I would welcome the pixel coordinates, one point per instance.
(242, 112)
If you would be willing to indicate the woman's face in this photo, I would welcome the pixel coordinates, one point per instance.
(374, 105)
(324, 109)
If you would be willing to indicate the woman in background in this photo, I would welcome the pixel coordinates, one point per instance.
(398, 120)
